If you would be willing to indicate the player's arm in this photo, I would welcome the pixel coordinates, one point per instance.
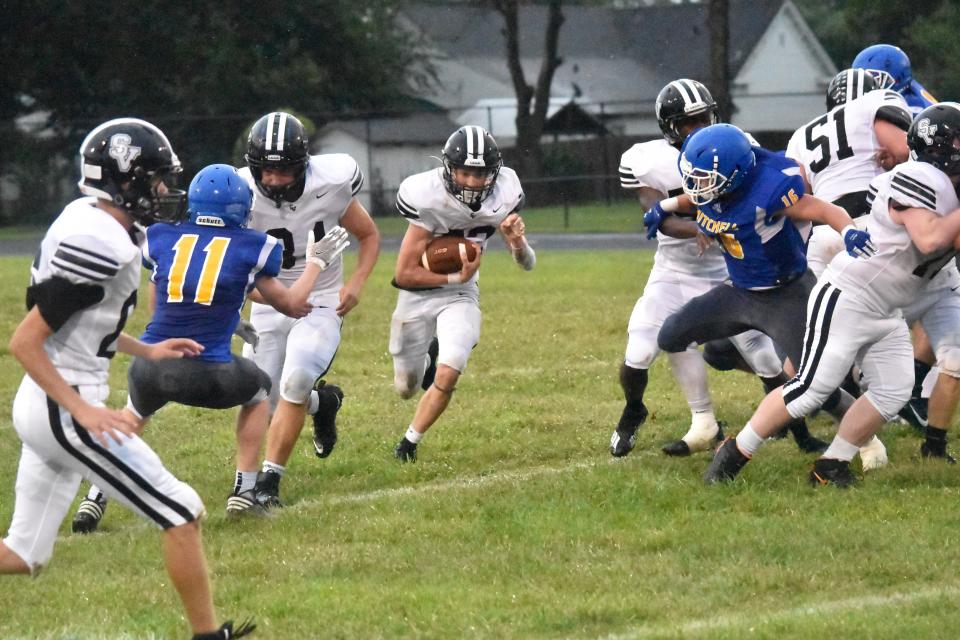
(358, 222)
(26, 345)
(291, 302)
(809, 208)
(892, 141)
(411, 274)
(669, 216)
(513, 231)
(928, 231)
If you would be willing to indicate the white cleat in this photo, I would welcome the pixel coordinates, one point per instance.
(873, 455)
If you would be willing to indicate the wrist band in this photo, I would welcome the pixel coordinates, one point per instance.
(454, 278)
(670, 205)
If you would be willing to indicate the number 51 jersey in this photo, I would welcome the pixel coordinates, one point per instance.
(332, 181)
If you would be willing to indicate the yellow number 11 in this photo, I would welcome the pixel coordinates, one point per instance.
(216, 249)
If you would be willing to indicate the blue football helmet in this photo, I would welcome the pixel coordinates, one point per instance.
(714, 161)
(888, 64)
(219, 197)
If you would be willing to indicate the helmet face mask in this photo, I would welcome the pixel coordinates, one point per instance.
(126, 161)
(471, 153)
(219, 197)
(278, 142)
(934, 137)
(714, 162)
(683, 103)
(849, 85)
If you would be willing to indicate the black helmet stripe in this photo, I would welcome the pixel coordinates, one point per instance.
(276, 128)
(688, 91)
(475, 146)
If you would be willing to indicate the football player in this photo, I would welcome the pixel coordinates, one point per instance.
(473, 196)
(862, 134)
(294, 193)
(890, 66)
(682, 269)
(854, 311)
(201, 271)
(83, 285)
(750, 200)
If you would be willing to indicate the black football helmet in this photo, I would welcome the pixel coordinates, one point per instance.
(471, 148)
(124, 161)
(849, 85)
(278, 141)
(681, 101)
(934, 137)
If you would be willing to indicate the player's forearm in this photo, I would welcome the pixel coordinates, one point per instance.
(523, 254)
(677, 227)
(131, 346)
(300, 290)
(929, 232)
(26, 345)
(367, 256)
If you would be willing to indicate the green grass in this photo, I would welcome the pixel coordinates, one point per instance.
(515, 522)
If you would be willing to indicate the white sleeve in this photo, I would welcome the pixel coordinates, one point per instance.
(85, 259)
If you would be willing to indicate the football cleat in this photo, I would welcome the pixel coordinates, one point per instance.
(915, 413)
(405, 451)
(325, 419)
(624, 437)
(88, 515)
(244, 504)
(227, 632)
(431, 372)
(267, 490)
(933, 449)
(680, 448)
(831, 471)
(806, 441)
(726, 463)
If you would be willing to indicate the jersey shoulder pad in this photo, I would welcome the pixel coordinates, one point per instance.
(645, 164)
(917, 184)
(508, 185)
(779, 184)
(337, 169)
(88, 245)
(420, 191)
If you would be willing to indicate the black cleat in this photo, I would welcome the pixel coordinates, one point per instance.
(88, 515)
(624, 437)
(267, 490)
(806, 441)
(929, 449)
(243, 504)
(227, 632)
(831, 471)
(915, 413)
(680, 448)
(726, 463)
(431, 372)
(325, 419)
(405, 451)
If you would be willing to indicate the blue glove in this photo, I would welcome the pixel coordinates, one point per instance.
(652, 220)
(858, 242)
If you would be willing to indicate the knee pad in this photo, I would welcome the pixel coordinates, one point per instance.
(888, 400)
(805, 403)
(721, 355)
(406, 383)
(295, 388)
(948, 359)
(263, 393)
(668, 338)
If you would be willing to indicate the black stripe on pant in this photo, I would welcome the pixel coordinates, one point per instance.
(808, 366)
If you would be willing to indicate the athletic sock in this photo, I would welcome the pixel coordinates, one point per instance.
(313, 402)
(273, 466)
(920, 371)
(413, 435)
(634, 383)
(245, 481)
(95, 494)
(748, 441)
(840, 449)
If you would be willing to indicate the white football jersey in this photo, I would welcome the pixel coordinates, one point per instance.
(424, 201)
(837, 149)
(332, 181)
(654, 164)
(87, 245)
(898, 273)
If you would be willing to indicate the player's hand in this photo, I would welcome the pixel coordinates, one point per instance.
(858, 242)
(103, 423)
(652, 220)
(703, 243)
(173, 348)
(349, 298)
(469, 267)
(248, 333)
(513, 230)
(324, 251)
(885, 159)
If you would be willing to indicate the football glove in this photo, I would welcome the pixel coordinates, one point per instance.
(858, 242)
(652, 220)
(247, 333)
(324, 251)
(227, 632)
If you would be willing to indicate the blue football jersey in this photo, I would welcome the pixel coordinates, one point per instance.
(917, 97)
(202, 276)
(762, 249)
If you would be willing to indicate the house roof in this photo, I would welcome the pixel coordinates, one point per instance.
(612, 53)
(422, 127)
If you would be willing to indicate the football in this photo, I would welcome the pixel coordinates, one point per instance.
(442, 254)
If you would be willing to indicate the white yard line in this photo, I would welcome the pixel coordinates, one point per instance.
(751, 620)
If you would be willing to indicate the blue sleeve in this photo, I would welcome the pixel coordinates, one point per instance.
(917, 96)
(274, 260)
(785, 194)
(147, 259)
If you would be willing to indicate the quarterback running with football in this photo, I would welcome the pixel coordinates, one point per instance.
(83, 286)
(295, 193)
(471, 196)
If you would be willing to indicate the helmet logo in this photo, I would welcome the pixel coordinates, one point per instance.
(122, 151)
(926, 130)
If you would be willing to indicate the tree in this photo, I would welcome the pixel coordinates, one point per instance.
(718, 19)
(532, 102)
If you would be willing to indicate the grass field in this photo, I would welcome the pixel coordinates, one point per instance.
(515, 522)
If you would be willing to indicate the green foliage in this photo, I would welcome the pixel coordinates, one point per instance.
(515, 523)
